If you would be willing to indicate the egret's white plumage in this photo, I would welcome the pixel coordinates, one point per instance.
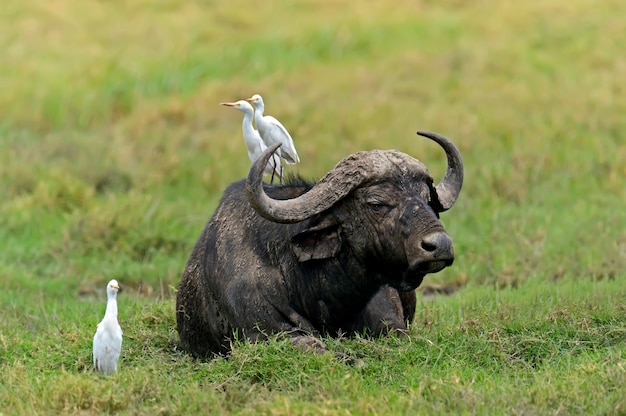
(252, 138)
(107, 342)
(272, 131)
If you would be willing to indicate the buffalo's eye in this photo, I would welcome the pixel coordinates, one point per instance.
(379, 206)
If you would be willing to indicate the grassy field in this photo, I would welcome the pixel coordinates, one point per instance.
(114, 153)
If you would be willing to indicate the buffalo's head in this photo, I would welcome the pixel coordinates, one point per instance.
(381, 207)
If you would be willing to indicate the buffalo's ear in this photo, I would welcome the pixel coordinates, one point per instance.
(321, 241)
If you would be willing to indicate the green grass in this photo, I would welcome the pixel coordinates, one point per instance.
(115, 153)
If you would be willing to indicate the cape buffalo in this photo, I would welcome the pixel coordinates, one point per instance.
(340, 256)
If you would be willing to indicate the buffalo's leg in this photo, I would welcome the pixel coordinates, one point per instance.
(386, 312)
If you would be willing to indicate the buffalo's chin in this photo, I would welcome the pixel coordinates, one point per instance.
(413, 277)
(409, 281)
(430, 266)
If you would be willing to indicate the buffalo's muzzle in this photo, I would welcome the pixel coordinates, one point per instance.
(434, 254)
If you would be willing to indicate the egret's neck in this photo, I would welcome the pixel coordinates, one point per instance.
(259, 109)
(246, 125)
(111, 306)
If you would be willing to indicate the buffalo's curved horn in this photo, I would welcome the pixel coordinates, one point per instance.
(343, 178)
(450, 186)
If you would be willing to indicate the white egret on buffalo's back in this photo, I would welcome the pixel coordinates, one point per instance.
(272, 131)
(252, 138)
(107, 342)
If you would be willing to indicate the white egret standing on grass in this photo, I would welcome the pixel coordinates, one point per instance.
(107, 342)
(272, 131)
(252, 138)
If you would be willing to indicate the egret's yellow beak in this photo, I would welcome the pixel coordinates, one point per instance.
(251, 99)
(230, 104)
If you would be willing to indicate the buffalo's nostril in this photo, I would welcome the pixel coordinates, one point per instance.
(429, 246)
